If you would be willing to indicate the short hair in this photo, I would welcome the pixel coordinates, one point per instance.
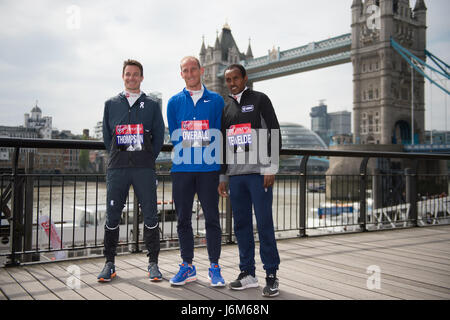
(240, 67)
(190, 58)
(131, 62)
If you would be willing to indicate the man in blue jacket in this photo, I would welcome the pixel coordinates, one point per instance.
(133, 133)
(194, 115)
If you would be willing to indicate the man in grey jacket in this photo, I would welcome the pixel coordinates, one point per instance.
(252, 142)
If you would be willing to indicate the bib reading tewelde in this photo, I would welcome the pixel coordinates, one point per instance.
(239, 137)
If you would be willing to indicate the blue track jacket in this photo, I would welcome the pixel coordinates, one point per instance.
(193, 122)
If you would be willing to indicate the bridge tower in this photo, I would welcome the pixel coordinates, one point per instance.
(381, 78)
(214, 59)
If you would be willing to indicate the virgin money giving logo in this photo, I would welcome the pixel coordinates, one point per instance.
(195, 125)
(129, 129)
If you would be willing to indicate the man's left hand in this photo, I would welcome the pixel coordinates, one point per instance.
(269, 180)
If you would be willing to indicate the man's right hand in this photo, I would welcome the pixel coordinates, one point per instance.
(222, 189)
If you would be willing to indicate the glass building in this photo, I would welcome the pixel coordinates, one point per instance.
(296, 136)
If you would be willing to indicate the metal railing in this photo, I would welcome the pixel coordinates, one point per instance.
(62, 215)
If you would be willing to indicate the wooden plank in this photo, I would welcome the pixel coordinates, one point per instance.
(138, 281)
(11, 289)
(366, 260)
(439, 271)
(357, 279)
(415, 264)
(405, 284)
(390, 282)
(163, 289)
(406, 249)
(201, 286)
(85, 291)
(401, 259)
(437, 241)
(295, 289)
(57, 286)
(355, 290)
(357, 257)
(31, 284)
(289, 290)
(2, 295)
(112, 290)
(128, 282)
(409, 246)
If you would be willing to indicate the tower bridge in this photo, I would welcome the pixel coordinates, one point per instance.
(315, 55)
(383, 88)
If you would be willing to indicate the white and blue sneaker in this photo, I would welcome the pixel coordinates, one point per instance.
(215, 277)
(186, 274)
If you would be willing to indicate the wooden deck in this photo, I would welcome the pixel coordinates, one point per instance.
(414, 264)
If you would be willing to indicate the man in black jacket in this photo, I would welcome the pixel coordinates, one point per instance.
(133, 133)
(252, 142)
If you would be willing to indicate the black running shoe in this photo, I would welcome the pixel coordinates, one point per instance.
(271, 288)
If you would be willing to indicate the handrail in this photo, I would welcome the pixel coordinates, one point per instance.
(99, 145)
(22, 188)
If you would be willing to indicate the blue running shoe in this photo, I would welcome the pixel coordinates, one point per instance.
(108, 272)
(186, 274)
(215, 276)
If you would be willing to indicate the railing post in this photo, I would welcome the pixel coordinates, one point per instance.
(362, 194)
(411, 194)
(377, 189)
(28, 222)
(16, 223)
(136, 230)
(302, 204)
(228, 221)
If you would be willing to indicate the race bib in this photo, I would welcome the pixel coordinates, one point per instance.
(239, 136)
(130, 137)
(195, 133)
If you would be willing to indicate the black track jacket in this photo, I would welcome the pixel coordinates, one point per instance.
(256, 109)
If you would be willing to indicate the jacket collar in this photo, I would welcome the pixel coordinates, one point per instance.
(122, 95)
(206, 92)
(245, 92)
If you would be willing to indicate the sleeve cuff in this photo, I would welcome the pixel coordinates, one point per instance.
(223, 178)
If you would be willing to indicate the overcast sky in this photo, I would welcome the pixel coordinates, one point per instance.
(72, 66)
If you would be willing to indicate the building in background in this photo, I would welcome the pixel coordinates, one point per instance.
(37, 121)
(437, 137)
(296, 136)
(319, 120)
(340, 123)
(215, 58)
(157, 96)
(98, 131)
(45, 160)
(382, 81)
(327, 125)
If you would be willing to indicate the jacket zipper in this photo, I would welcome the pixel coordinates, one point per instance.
(129, 153)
